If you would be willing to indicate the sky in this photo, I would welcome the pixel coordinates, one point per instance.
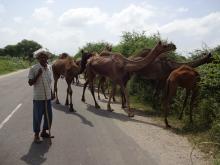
(67, 25)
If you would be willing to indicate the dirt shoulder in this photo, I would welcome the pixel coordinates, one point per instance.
(164, 145)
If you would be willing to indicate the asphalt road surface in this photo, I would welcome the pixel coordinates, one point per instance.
(87, 137)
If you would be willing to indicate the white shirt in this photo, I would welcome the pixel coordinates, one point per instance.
(43, 84)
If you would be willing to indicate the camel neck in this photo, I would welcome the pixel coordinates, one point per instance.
(135, 65)
(198, 62)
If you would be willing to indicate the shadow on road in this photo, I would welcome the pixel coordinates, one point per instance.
(65, 109)
(36, 153)
(118, 116)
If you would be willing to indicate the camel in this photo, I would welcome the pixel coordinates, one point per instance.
(160, 69)
(115, 66)
(187, 78)
(69, 69)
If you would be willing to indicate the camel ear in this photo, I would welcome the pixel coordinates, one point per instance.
(82, 51)
(210, 54)
(159, 43)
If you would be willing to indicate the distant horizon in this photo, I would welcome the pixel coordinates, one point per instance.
(63, 26)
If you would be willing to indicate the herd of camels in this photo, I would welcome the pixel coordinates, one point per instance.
(149, 63)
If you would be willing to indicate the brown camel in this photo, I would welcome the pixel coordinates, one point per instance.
(185, 77)
(68, 68)
(115, 66)
(160, 69)
(103, 81)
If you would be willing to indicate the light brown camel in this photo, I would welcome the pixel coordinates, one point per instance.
(187, 78)
(69, 70)
(115, 66)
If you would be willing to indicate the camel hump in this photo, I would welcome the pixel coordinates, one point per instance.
(185, 67)
(104, 53)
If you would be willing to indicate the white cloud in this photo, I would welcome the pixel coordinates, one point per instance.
(182, 9)
(77, 26)
(8, 31)
(82, 17)
(58, 39)
(49, 1)
(42, 13)
(2, 8)
(194, 26)
(190, 33)
(131, 18)
(18, 19)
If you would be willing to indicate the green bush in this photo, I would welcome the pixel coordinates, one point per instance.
(9, 64)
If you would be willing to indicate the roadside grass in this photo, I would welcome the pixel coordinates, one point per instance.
(197, 135)
(10, 64)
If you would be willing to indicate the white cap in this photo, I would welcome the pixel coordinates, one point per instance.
(42, 51)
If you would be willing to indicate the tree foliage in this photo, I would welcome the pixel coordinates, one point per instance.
(92, 47)
(23, 49)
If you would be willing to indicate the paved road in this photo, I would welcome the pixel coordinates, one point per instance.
(87, 137)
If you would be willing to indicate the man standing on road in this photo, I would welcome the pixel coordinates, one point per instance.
(40, 77)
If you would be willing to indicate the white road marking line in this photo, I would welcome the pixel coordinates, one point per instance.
(10, 115)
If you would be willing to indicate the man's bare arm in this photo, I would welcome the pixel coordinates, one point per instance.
(33, 81)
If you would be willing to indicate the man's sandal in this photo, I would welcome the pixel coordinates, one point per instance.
(46, 135)
(37, 140)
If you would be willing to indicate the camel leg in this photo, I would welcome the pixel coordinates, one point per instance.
(70, 91)
(84, 88)
(91, 86)
(77, 80)
(103, 90)
(169, 93)
(184, 104)
(130, 112)
(99, 85)
(55, 90)
(110, 97)
(67, 94)
(166, 109)
(157, 90)
(194, 95)
(113, 97)
(123, 99)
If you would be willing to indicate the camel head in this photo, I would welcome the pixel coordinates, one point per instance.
(84, 59)
(165, 47)
(209, 58)
(108, 47)
(63, 56)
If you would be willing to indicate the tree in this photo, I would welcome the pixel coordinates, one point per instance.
(92, 47)
(23, 49)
